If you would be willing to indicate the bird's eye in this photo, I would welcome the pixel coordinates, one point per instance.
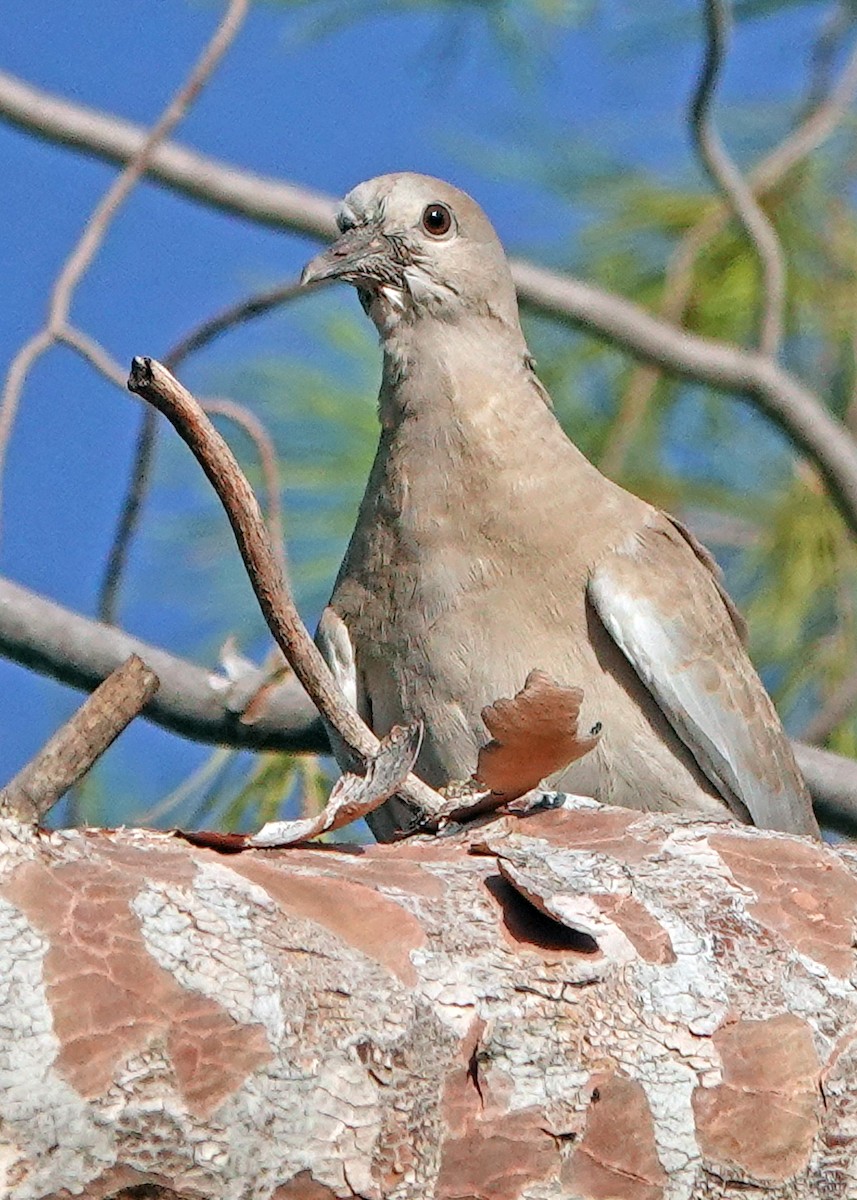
(437, 219)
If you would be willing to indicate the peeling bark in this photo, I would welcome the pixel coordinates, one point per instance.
(575, 1004)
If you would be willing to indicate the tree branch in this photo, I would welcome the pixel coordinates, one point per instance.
(76, 746)
(214, 183)
(738, 193)
(245, 310)
(144, 450)
(785, 400)
(566, 1005)
(152, 381)
(817, 126)
(95, 230)
(206, 706)
(255, 430)
(192, 701)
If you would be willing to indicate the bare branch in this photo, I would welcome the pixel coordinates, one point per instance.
(129, 516)
(215, 183)
(192, 701)
(245, 310)
(789, 404)
(95, 230)
(73, 749)
(732, 183)
(261, 439)
(141, 465)
(816, 127)
(94, 353)
(154, 383)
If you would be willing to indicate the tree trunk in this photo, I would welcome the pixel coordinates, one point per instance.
(575, 1005)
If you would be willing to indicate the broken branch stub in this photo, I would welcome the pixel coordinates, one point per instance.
(353, 796)
(73, 749)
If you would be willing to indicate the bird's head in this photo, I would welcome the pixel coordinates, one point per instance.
(414, 246)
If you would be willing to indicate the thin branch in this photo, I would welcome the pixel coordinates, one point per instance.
(790, 405)
(142, 463)
(733, 185)
(215, 183)
(816, 127)
(95, 230)
(98, 357)
(154, 383)
(140, 474)
(73, 749)
(194, 702)
(261, 439)
(245, 310)
(94, 353)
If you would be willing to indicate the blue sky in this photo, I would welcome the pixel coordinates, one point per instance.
(327, 113)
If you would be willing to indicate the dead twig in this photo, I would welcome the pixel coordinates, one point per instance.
(56, 325)
(152, 381)
(142, 461)
(74, 748)
(261, 439)
(823, 117)
(138, 485)
(733, 185)
(245, 310)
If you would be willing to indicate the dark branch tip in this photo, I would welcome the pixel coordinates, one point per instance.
(141, 373)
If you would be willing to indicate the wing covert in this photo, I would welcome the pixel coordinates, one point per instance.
(662, 606)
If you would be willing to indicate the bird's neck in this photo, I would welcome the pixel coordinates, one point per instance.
(455, 374)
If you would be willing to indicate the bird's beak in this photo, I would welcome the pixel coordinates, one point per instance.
(360, 255)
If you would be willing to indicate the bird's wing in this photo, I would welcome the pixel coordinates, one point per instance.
(334, 642)
(663, 606)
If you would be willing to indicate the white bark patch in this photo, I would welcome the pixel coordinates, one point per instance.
(206, 936)
(669, 1087)
(53, 1135)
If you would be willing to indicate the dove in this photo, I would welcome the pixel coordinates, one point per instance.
(487, 546)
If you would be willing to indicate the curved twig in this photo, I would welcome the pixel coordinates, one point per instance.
(732, 183)
(142, 463)
(140, 475)
(249, 309)
(261, 439)
(152, 381)
(819, 123)
(95, 230)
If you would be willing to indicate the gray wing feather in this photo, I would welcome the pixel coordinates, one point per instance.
(334, 642)
(660, 604)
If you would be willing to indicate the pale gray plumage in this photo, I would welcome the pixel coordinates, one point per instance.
(487, 545)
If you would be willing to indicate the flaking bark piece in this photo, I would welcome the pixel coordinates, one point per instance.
(353, 796)
(532, 735)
